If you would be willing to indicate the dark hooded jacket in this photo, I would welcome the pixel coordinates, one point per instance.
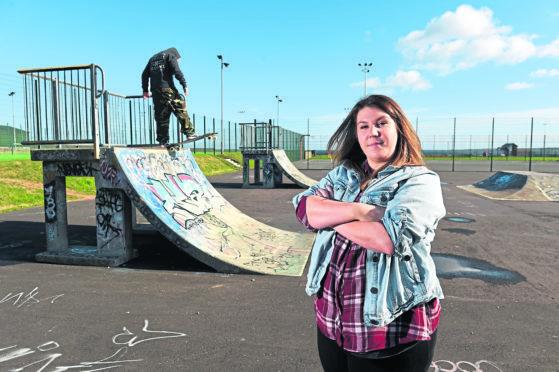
(161, 68)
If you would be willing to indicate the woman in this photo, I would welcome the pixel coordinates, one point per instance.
(374, 281)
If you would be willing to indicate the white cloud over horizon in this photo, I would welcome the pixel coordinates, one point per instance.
(519, 86)
(544, 73)
(467, 37)
(403, 80)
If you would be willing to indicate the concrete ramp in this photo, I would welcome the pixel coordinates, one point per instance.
(528, 186)
(291, 171)
(176, 198)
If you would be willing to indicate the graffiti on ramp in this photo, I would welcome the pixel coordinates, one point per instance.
(176, 198)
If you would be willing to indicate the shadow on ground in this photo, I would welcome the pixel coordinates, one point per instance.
(155, 251)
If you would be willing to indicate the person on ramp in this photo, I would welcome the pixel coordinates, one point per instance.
(159, 72)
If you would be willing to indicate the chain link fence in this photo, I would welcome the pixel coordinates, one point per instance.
(477, 144)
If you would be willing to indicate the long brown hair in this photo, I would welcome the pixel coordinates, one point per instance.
(345, 148)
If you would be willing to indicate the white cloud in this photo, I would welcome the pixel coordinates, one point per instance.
(550, 50)
(408, 80)
(467, 37)
(403, 80)
(519, 86)
(544, 73)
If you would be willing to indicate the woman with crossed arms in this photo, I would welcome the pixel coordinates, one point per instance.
(371, 273)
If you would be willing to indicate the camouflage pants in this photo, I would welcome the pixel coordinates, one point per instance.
(165, 101)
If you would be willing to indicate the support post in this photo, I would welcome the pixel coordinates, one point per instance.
(113, 211)
(56, 214)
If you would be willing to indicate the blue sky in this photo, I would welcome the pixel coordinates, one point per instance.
(438, 59)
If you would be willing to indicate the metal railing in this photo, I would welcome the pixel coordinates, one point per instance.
(259, 136)
(262, 136)
(64, 106)
(60, 105)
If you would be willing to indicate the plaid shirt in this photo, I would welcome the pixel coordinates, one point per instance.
(339, 304)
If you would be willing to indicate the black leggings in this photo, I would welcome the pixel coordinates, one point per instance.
(334, 358)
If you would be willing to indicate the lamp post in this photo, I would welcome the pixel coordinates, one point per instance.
(220, 57)
(277, 117)
(365, 70)
(13, 121)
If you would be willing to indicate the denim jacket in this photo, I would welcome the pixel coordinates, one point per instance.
(414, 205)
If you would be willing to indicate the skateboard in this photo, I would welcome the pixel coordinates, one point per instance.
(176, 146)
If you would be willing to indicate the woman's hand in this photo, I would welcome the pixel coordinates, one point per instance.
(322, 211)
(359, 222)
(326, 193)
(369, 213)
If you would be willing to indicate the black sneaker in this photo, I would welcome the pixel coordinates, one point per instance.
(164, 144)
(191, 136)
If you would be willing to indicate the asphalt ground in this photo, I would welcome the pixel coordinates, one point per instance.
(164, 311)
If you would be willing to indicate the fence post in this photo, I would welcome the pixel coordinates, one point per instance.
(454, 144)
(205, 149)
(543, 153)
(131, 125)
(107, 121)
(308, 149)
(531, 142)
(55, 110)
(94, 111)
(194, 125)
(492, 143)
(151, 125)
(36, 111)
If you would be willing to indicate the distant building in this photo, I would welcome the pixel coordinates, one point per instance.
(508, 149)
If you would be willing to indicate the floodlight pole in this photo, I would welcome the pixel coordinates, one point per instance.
(277, 117)
(13, 121)
(365, 70)
(220, 57)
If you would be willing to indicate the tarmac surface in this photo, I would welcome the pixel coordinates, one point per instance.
(164, 311)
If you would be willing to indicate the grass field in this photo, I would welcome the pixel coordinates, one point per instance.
(6, 156)
(21, 180)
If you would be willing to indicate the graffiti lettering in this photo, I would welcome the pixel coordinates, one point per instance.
(28, 299)
(448, 366)
(46, 358)
(268, 172)
(109, 199)
(106, 227)
(108, 203)
(50, 203)
(80, 169)
(109, 173)
(129, 339)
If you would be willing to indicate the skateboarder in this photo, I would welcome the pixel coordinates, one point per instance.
(160, 69)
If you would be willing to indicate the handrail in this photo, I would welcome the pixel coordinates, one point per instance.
(48, 69)
(102, 79)
(61, 104)
(70, 105)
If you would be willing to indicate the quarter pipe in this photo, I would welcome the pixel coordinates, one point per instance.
(173, 194)
(517, 185)
(291, 171)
